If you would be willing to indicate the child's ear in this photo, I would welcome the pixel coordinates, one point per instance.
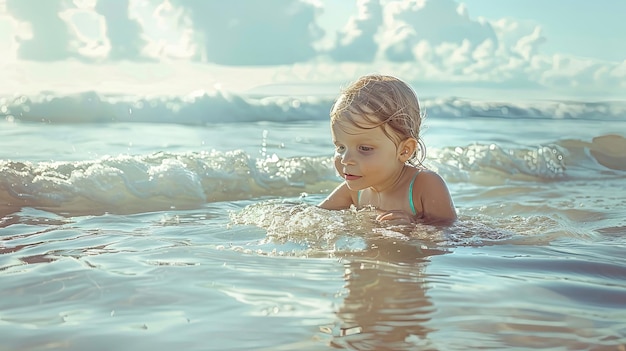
(406, 149)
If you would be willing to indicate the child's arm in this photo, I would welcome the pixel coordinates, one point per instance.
(437, 205)
(341, 198)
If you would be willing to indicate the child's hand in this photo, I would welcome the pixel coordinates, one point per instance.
(395, 216)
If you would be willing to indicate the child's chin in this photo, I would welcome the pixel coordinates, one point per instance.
(353, 187)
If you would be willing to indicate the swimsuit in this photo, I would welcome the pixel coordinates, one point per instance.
(410, 193)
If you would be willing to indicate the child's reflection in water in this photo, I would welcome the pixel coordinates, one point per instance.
(386, 307)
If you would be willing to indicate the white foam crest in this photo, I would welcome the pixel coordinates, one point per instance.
(128, 184)
(492, 164)
(159, 181)
(198, 107)
(541, 109)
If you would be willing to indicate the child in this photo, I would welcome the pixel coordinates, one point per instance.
(375, 126)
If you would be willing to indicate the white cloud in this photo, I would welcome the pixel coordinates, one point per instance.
(438, 21)
(528, 45)
(251, 32)
(42, 35)
(618, 72)
(8, 46)
(124, 33)
(356, 41)
(166, 30)
(55, 30)
(89, 31)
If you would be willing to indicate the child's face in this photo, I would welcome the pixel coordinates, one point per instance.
(365, 157)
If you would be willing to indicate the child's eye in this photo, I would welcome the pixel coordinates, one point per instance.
(366, 148)
(339, 148)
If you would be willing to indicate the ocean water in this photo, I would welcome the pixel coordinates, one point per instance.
(189, 222)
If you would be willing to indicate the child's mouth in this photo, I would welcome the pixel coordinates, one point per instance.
(351, 176)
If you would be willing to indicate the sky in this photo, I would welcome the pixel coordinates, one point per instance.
(560, 48)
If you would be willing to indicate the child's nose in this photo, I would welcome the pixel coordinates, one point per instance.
(347, 158)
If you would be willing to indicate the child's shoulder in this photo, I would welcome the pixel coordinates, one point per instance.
(427, 178)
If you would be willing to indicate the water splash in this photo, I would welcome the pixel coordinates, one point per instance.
(317, 231)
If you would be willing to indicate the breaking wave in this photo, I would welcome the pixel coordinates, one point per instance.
(161, 181)
(200, 107)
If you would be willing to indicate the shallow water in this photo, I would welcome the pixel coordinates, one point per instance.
(151, 236)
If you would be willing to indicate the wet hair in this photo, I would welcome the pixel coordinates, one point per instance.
(386, 102)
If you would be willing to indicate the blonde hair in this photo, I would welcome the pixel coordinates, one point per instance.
(386, 102)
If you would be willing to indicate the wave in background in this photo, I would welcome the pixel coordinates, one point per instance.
(161, 181)
(200, 107)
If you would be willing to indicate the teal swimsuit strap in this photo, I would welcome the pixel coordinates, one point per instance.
(411, 192)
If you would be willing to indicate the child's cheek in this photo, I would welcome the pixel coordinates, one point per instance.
(337, 162)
